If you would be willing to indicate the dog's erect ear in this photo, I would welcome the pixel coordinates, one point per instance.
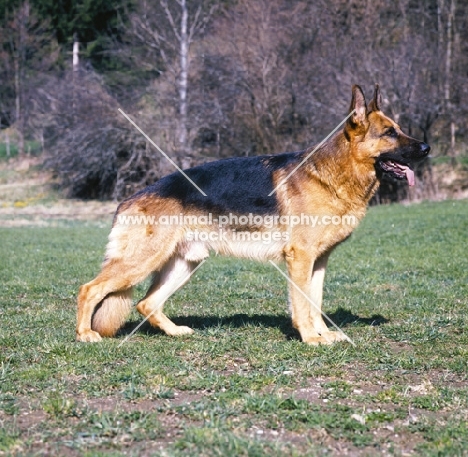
(358, 105)
(376, 102)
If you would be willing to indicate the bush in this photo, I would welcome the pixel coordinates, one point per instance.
(94, 151)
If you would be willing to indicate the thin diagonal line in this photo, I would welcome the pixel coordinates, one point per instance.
(161, 151)
(149, 315)
(308, 155)
(311, 302)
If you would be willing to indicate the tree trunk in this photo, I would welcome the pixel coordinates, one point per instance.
(448, 78)
(18, 107)
(183, 79)
(7, 141)
(76, 51)
(440, 30)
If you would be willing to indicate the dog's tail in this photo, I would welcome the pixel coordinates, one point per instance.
(112, 313)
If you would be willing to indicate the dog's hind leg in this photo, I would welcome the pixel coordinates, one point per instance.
(114, 280)
(172, 277)
(132, 254)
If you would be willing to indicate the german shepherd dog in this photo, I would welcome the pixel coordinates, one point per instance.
(259, 196)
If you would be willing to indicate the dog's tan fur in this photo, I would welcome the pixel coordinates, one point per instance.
(338, 179)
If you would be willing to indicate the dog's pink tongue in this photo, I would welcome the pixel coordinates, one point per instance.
(409, 175)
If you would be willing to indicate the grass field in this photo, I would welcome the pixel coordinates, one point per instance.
(32, 148)
(244, 385)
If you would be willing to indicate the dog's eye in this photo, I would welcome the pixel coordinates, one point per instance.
(391, 132)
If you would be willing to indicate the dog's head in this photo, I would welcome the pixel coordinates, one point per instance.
(377, 137)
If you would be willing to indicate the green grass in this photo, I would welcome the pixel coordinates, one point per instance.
(32, 148)
(4, 150)
(244, 384)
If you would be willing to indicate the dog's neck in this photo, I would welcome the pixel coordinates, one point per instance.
(333, 162)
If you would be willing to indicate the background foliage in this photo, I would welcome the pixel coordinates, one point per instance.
(254, 78)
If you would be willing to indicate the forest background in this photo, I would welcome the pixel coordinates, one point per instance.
(208, 79)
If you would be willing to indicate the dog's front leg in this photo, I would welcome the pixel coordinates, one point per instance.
(316, 294)
(306, 274)
(300, 266)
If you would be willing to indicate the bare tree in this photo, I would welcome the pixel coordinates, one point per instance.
(170, 29)
(448, 72)
(30, 52)
(250, 81)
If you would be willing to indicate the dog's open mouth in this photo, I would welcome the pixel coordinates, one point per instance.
(398, 170)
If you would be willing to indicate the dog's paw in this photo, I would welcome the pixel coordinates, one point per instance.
(333, 337)
(316, 340)
(179, 330)
(327, 337)
(88, 336)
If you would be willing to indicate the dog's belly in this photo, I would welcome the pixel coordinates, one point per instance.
(261, 246)
(255, 250)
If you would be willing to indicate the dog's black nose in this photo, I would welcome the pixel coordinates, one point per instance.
(425, 148)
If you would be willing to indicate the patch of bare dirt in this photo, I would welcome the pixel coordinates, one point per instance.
(19, 214)
(27, 198)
